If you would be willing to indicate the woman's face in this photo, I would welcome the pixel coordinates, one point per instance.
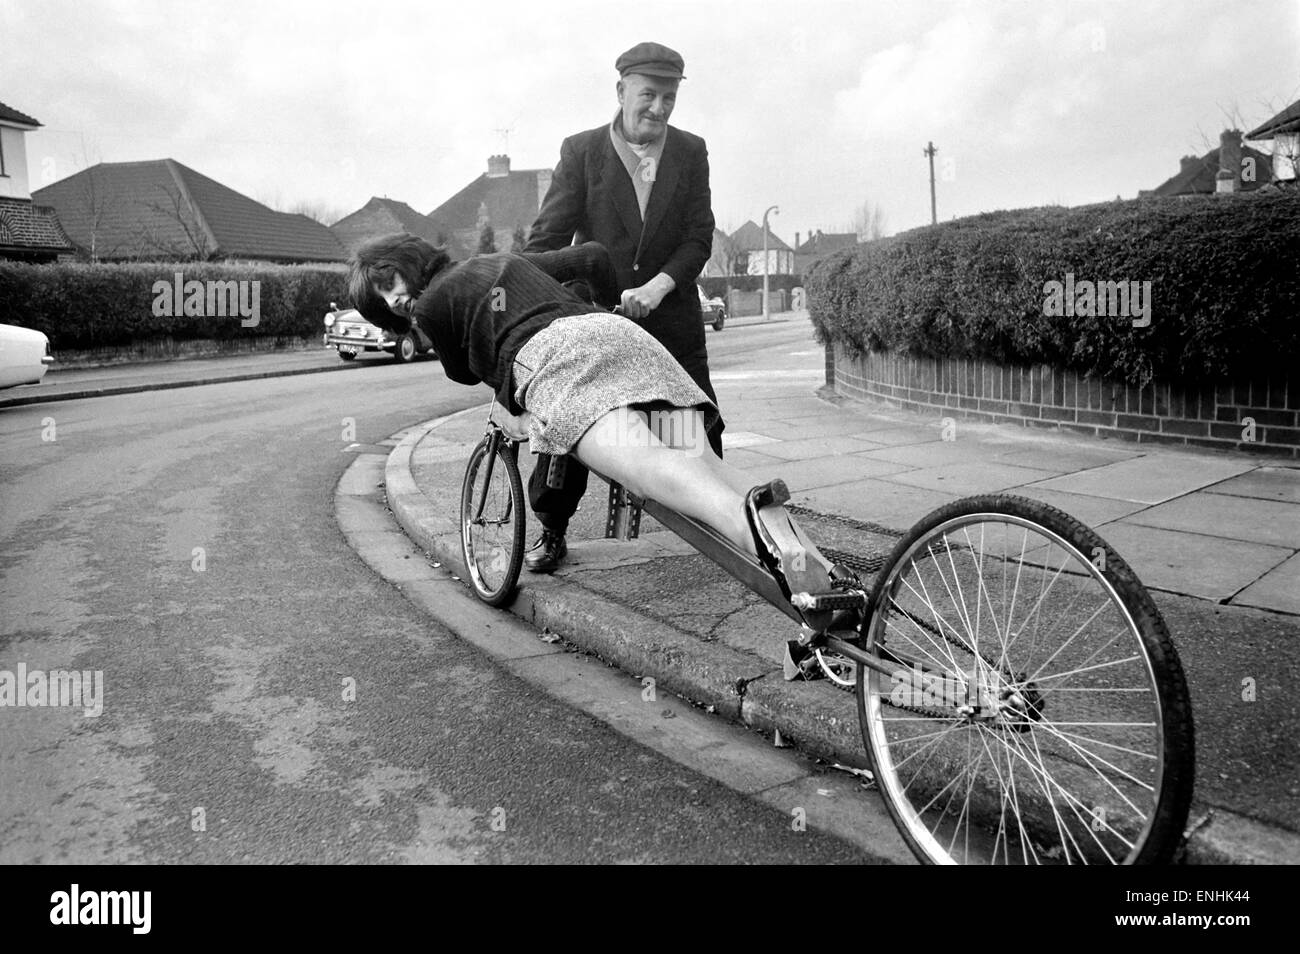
(397, 297)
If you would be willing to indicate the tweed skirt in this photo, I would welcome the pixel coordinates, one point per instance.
(580, 367)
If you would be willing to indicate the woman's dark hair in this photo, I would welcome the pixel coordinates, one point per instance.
(377, 262)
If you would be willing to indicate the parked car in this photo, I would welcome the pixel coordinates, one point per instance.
(24, 356)
(714, 310)
(351, 334)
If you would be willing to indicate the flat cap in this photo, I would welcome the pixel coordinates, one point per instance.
(652, 59)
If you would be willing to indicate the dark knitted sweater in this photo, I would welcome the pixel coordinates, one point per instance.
(480, 312)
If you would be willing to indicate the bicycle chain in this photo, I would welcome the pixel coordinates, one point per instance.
(851, 584)
(871, 565)
(943, 714)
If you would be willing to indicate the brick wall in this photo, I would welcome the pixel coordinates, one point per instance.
(751, 303)
(1203, 415)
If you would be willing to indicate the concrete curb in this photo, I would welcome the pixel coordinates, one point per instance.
(24, 399)
(820, 719)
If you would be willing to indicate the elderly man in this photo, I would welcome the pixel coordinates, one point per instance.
(640, 188)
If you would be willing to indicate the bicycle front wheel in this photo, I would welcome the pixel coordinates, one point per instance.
(1036, 710)
(492, 514)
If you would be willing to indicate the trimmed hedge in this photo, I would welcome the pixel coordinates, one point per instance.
(1225, 292)
(84, 306)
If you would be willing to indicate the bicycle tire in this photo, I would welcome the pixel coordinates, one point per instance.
(494, 567)
(1113, 802)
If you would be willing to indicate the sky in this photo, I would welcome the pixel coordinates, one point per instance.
(818, 107)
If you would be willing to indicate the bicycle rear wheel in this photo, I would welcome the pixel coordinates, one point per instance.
(492, 515)
(1036, 712)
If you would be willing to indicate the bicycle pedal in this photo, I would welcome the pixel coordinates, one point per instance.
(800, 663)
(825, 602)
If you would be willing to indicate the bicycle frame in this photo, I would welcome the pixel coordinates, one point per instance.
(731, 558)
(754, 575)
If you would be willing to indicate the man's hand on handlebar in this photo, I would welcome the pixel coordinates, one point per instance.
(639, 302)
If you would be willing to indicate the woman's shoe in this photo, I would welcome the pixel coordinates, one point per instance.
(798, 567)
(769, 554)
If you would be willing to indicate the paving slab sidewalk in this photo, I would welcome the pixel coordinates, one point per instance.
(1214, 536)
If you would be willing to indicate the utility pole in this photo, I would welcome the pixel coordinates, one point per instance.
(767, 312)
(929, 151)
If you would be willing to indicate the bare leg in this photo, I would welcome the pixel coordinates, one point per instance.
(684, 428)
(687, 477)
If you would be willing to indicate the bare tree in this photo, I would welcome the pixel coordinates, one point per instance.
(1286, 147)
(869, 221)
(271, 198)
(728, 256)
(317, 210)
(94, 202)
(193, 244)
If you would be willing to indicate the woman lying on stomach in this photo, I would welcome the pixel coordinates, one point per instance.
(576, 381)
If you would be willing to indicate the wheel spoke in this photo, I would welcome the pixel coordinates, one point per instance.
(1057, 749)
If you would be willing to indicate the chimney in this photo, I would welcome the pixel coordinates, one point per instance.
(498, 167)
(1186, 163)
(796, 241)
(1229, 177)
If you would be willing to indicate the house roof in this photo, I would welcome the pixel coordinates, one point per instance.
(24, 226)
(161, 208)
(10, 115)
(1287, 121)
(508, 200)
(1197, 177)
(823, 243)
(749, 238)
(384, 216)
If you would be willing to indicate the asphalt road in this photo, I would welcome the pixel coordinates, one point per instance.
(266, 697)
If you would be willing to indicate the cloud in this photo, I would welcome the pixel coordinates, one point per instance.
(815, 105)
(999, 82)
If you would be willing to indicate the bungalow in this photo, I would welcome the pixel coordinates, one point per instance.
(28, 232)
(161, 209)
(502, 199)
(386, 216)
(819, 245)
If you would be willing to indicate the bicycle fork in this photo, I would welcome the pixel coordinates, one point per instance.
(495, 439)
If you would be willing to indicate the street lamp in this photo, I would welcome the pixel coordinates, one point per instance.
(767, 313)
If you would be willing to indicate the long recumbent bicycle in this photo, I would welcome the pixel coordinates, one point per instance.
(1018, 693)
